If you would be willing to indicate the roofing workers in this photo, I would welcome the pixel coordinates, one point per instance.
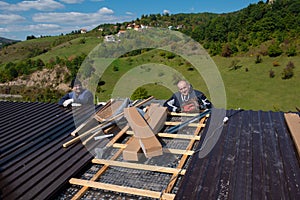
(78, 96)
(187, 99)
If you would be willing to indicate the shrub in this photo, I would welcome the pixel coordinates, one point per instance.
(292, 51)
(170, 55)
(160, 74)
(274, 50)
(288, 71)
(258, 59)
(82, 41)
(234, 65)
(290, 65)
(140, 93)
(162, 54)
(191, 69)
(115, 68)
(276, 64)
(226, 51)
(100, 83)
(271, 74)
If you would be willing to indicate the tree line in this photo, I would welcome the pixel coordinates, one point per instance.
(12, 70)
(231, 33)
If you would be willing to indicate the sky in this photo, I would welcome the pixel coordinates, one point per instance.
(19, 19)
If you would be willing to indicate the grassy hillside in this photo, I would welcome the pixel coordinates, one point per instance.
(249, 86)
(6, 42)
(247, 46)
(80, 45)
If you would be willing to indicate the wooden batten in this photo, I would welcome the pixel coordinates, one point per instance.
(293, 122)
(138, 145)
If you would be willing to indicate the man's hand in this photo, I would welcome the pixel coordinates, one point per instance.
(68, 102)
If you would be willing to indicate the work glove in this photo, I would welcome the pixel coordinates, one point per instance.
(68, 102)
(76, 104)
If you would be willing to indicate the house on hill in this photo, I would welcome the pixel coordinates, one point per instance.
(109, 38)
(121, 33)
(83, 30)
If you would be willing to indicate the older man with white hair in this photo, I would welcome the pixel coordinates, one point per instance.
(187, 99)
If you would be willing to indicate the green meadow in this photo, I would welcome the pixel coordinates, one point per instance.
(248, 86)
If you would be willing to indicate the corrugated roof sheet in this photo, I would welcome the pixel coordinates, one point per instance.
(34, 165)
(254, 158)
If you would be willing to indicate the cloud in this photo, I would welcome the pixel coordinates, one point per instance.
(41, 5)
(70, 17)
(4, 30)
(105, 11)
(43, 27)
(72, 1)
(102, 16)
(3, 5)
(129, 13)
(34, 29)
(11, 18)
(53, 23)
(166, 12)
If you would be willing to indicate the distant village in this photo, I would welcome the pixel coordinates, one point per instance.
(133, 26)
(136, 27)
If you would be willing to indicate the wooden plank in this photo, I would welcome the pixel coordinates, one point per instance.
(156, 115)
(122, 189)
(174, 129)
(138, 166)
(184, 114)
(110, 129)
(183, 159)
(82, 125)
(106, 111)
(178, 151)
(118, 136)
(138, 123)
(146, 135)
(81, 192)
(143, 102)
(119, 145)
(293, 122)
(136, 191)
(191, 124)
(88, 120)
(165, 150)
(175, 136)
(76, 139)
(133, 150)
(94, 135)
(290, 167)
(179, 136)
